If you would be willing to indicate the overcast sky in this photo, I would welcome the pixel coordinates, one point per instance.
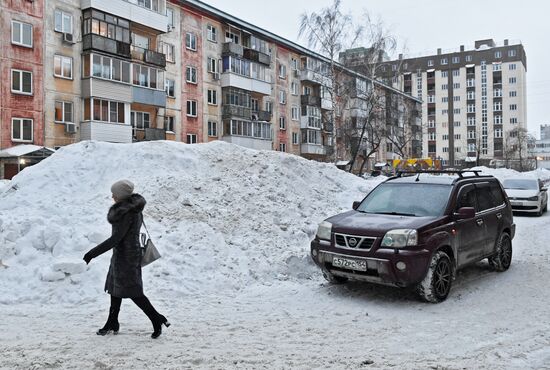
(431, 24)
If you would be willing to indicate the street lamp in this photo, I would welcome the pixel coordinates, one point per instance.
(19, 163)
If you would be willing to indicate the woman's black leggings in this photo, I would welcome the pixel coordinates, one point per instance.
(142, 302)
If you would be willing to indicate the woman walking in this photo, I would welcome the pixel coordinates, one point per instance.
(124, 276)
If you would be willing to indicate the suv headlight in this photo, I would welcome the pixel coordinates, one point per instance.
(535, 198)
(324, 229)
(399, 238)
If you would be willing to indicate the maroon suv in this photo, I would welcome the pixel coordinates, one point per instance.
(417, 229)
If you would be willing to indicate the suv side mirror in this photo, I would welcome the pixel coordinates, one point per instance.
(355, 205)
(465, 213)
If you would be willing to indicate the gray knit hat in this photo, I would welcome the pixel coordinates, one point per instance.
(122, 189)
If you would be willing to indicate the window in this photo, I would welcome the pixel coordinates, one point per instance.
(456, 111)
(511, 53)
(269, 106)
(21, 34)
(456, 72)
(191, 41)
(498, 133)
(457, 136)
(497, 93)
(444, 87)
(168, 50)
(471, 95)
(191, 75)
(431, 98)
(471, 135)
(212, 65)
(444, 61)
(145, 76)
(106, 25)
(444, 99)
(234, 37)
(497, 106)
(212, 128)
(170, 87)
(63, 66)
(444, 137)
(431, 123)
(169, 123)
(456, 85)
(513, 106)
(192, 108)
(457, 123)
(282, 123)
(445, 149)
(191, 138)
(170, 16)
(456, 60)
(282, 97)
(295, 139)
(212, 97)
(498, 54)
(140, 120)
(294, 64)
(497, 67)
(63, 22)
(512, 66)
(513, 121)
(294, 88)
(471, 121)
(512, 80)
(211, 33)
(295, 113)
(21, 129)
(21, 82)
(470, 82)
(444, 73)
(282, 147)
(458, 149)
(444, 111)
(497, 120)
(430, 63)
(104, 110)
(456, 98)
(471, 108)
(63, 112)
(513, 93)
(468, 58)
(282, 71)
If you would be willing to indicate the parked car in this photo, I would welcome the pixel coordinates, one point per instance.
(527, 195)
(418, 231)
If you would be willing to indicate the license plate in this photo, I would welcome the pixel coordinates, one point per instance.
(517, 203)
(349, 264)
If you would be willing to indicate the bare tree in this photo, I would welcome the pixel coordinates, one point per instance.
(403, 129)
(330, 31)
(518, 146)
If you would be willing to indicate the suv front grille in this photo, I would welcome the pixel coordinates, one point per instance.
(353, 241)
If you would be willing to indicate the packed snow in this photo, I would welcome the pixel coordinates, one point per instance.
(236, 280)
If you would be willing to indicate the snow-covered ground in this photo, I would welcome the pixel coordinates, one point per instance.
(236, 280)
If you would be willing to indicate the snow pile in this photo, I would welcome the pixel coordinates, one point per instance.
(3, 184)
(223, 217)
(505, 173)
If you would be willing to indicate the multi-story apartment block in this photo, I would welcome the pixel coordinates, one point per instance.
(472, 97)
(541, 151)
(131, 70)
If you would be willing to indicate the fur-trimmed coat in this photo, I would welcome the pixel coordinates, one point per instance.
(124, 276)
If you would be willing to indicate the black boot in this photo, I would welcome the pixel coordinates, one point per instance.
(156, 319)
(111, 324)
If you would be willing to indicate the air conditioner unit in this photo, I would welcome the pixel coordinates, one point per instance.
(68, 38)
(70, 128)
(170, 27)
(216, 75)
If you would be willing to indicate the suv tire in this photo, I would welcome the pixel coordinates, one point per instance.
(436, 284)
(502, 259)
(333, 279)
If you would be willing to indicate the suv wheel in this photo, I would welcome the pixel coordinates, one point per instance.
(333, 279)
(502, 259)
(436, 285)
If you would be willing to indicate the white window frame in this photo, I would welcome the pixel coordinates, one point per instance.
(167, 82)
(211, 33)
(282, 147)
(456, 60)
(62, 60)
(513, 107)
(167, 120)
(191, 138)
(20, 91)
(212, 128)
(191, 71)
(512, 53)
(282, 97)
(294, 88)
(21, 123)
(295, 113)
(444, 61)
(170, 15)
(212, 62)
(212, 97)
(190, 40)
(282, 71)
(512, 80)
(498, 54)
(513, 93)
(468, 58)
(64, 105)
(64, 16)
(282, 123)
(191, 108)
(430, 63)
(295, 138)
(169, 51)
(21, 25)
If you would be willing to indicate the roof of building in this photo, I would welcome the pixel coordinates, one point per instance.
(22, 150)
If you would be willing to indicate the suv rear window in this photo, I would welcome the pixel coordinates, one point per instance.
(407, 199)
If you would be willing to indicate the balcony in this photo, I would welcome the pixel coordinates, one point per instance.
(311, 122)
(249, 142)
(154, 134)
(230, 111)
(257, 56)
(315, 77)
(107, 45)
(313, 149)
(132, 11)
(231, 48)
(147, 96)
(262, 115)
(99, 88)
(103, 131)
(310, 100)
(148, 56)
(229, 79)
(326, 104)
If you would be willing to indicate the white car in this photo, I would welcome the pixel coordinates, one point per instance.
(526, 195)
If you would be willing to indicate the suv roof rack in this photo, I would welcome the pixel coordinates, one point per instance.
(400, 173)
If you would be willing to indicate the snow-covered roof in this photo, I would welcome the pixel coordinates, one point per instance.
(470, 159)
(21, 150)
(381, 164)
(342, 163)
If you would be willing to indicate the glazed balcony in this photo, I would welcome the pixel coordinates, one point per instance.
(96, 42)
(257, 56)
(104, 131)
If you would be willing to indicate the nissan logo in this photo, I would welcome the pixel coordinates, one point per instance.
(352, 242)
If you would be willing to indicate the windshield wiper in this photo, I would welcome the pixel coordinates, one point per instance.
(397, 214)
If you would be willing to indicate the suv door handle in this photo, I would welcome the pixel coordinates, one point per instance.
(499, 215)
(479, 222)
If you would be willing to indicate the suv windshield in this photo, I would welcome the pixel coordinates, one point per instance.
(521, 184)
(407, 199)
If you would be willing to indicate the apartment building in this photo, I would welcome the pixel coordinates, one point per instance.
(473, 97)
(541, 151)
(130, 70)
